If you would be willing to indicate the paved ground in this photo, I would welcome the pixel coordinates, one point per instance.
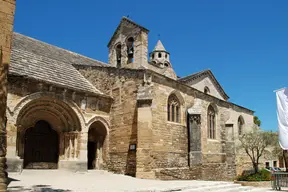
(101, 181)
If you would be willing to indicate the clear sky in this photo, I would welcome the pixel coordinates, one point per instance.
(243, 42)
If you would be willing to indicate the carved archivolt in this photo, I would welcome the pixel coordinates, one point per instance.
(51, 104)
(100, 119)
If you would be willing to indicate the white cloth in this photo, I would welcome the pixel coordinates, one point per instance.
(282, 115)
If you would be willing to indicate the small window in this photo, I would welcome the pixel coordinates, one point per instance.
(152, 55)
(166, 64)
(166, 55)
(173, 109)
(206, 90)
(159, 55)
(211, 116)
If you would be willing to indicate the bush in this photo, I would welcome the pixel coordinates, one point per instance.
(262, 175)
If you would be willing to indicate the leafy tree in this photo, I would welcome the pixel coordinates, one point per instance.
(279, 152)
(257, 121)
(254, 144)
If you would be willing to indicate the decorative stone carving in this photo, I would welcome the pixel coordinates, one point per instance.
(195, 118)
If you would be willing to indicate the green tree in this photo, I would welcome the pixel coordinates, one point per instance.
(279, 152)
(257, 121)
(254, 144)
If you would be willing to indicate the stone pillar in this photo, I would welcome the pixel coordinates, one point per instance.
(141, 50)
(195, 153)
(83, 159)
(144, 140)
(7, 10)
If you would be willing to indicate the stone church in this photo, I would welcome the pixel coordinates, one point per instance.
(132, 115)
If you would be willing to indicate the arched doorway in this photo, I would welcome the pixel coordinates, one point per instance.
(41, 148)
(96, 139)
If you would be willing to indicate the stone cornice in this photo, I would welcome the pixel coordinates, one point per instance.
(51, 85)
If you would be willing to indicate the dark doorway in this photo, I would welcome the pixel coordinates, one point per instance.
(92, 147)
(41, 147)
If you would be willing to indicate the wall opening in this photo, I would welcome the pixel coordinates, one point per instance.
(95, 146)
(130, 50)
(41, 147)
(118, 55)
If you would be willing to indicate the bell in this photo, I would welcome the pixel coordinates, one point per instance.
(130, 51)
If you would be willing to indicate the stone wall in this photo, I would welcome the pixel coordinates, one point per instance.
(30, 101)
(7, 10)
(170, 144)
(122, 85)
(170, 139)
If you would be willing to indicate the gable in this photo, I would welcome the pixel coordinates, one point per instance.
(205, 79)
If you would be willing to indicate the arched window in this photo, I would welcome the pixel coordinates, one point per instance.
(206, 90)
(152, 55)
(240, 125)
(173, 109)
(166, 55)
(211, 116)
(118, 55)
(130, 49)
(159, 55)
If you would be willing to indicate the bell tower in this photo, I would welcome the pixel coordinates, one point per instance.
(128, 46)
(159, 56)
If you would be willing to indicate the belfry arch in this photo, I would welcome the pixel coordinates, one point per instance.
(44, 119)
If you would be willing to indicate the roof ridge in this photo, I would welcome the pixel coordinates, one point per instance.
(66, 50)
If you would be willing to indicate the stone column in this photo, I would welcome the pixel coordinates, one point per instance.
(144, 140)
(83, 160)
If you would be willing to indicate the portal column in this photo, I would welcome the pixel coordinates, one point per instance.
(83, 159)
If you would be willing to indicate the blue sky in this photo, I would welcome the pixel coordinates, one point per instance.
(244, 43)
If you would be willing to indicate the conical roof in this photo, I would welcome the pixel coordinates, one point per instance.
(159, 46)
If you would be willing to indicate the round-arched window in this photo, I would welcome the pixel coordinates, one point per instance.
(206, 90)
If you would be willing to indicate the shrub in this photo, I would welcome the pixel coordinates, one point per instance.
(262, 175)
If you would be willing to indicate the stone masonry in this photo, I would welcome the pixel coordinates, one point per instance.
(7, 10)
(132, 116)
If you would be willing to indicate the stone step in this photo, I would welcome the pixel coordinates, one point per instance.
(242, 189)
(181, 187)
(212, 188)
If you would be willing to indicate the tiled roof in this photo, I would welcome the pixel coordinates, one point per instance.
(50, 51)
(38, 60)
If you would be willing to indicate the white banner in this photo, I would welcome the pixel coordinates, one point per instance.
(282, 115)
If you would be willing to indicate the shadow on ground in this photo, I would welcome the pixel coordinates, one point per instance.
(34, 188)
